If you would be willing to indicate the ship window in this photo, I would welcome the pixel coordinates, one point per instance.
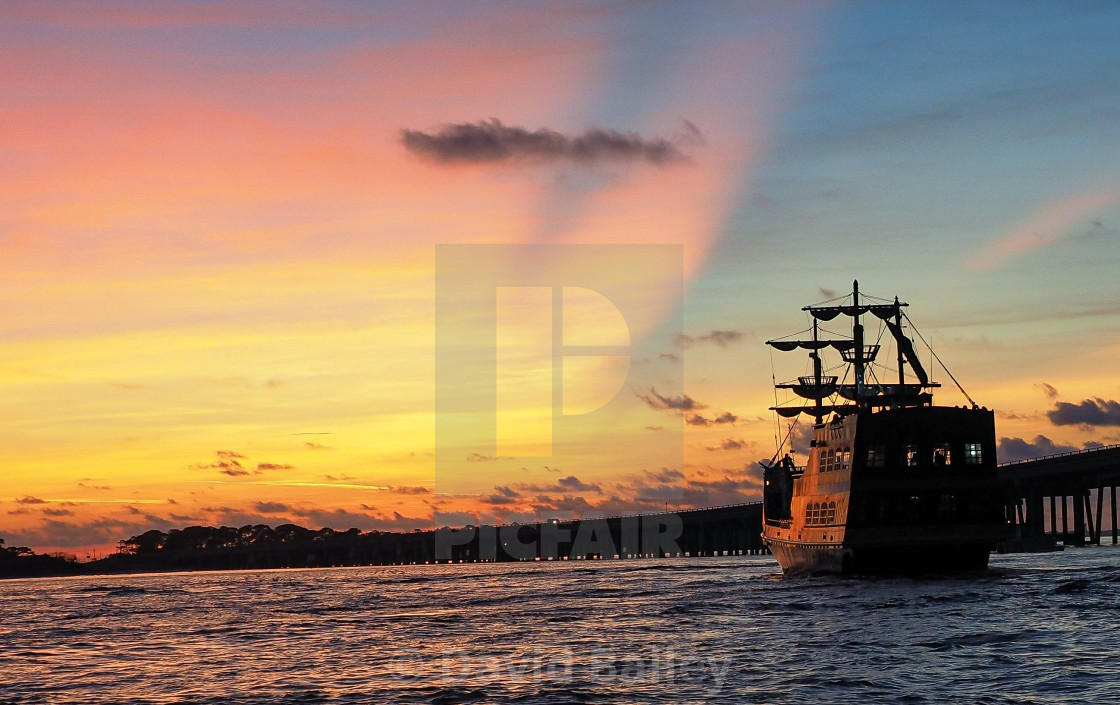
(826, 460)
(910, 455)
(941, 456)
(876, 456)
(973, 455)
(831, 517)
(846, 459)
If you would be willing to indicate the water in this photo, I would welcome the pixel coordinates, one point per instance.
(1038, 629)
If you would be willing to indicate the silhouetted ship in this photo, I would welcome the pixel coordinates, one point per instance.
(892, 484)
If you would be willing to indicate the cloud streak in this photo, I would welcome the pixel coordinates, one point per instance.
(1043, 228)
(661, 402)
(491, 141)
(722, 338)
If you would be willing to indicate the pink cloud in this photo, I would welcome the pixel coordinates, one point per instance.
(1042, 228)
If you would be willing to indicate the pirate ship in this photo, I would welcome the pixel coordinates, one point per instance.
(892, 483)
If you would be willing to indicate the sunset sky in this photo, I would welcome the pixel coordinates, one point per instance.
(219, 226)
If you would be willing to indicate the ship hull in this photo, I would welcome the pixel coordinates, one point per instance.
(798, 558)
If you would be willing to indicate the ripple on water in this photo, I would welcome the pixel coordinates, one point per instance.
(1037, 629)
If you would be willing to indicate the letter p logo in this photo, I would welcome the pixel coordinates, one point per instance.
(559, 350)
(537, 350)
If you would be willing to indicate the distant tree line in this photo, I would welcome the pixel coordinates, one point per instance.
(17, 561)
(208, 538)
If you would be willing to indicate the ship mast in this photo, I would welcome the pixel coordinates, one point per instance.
(859, 355)
(857, 338)
(901, 358)
(815, 354)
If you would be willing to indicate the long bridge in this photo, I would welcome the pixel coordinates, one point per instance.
(1072, 486)
(1058, 498)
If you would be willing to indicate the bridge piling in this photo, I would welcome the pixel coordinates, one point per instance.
(1100, 513)
(1114, 528)
(1079, 504)
(1036, 518)
(1066, 478)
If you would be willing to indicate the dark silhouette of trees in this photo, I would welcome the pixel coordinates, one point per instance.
(17, 561)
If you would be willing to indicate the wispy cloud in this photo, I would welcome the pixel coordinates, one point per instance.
(261, 467)
(1042, 228)
(681, 402)
(491, 141)
(722, 338)
(699, 420)
(1048, 389)
(228, 463)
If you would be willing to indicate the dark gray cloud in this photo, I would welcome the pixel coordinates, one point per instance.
(722, 338)
(664, 475)
(272, 508)
(273, 466)
(491, 141)
(228, 463)
(68, 534)
(60, 512)
(480, 458)
(710, 487)
(410, 489)
(670, 403)
(571, 482)
(1047, 389)
(1091, 412)
(730, 444)
(500, 498)
(800, 437)
(1012, 449)
(699, 420)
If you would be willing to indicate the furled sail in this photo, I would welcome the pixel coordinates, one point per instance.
(827, 313)
(791, 411)
(789, 345)
(808, 388)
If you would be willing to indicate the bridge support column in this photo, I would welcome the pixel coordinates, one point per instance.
(1114, 515)
(1079, 502)
(1100, 514)
(1065, 526)
(1053, 516)
(1087, 498)
(1036, 522)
